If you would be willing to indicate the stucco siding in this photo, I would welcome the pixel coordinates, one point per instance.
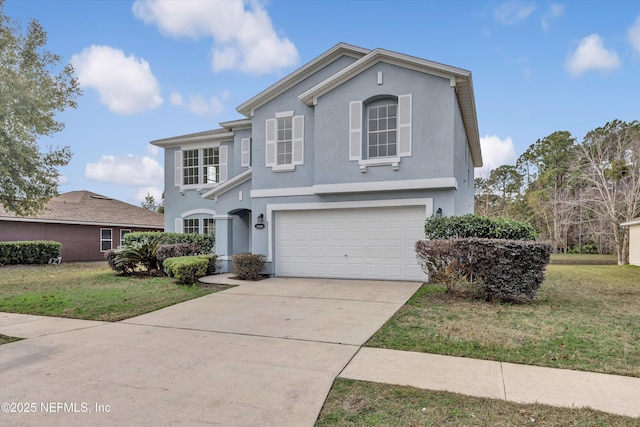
(463, 165)
(432, 132)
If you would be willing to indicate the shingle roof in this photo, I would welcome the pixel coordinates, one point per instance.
(204, 135)
(85, 207)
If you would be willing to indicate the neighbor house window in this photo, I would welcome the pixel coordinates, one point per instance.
(106, 240)
(284, 142)
(382, 130)
(122, 234)
(209, 226)
(191, 225)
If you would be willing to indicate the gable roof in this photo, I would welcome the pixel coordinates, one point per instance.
(87, 208)
(207, 135)
(460, 79)
(339, 50)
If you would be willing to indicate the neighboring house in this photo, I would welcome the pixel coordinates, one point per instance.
(334, 169)
(87, 224)
(634, 240)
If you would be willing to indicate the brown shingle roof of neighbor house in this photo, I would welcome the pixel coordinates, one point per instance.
(85, 207)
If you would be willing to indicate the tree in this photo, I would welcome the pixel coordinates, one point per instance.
(150, 203)
(33, 89)
(507, 183)
(609, 168)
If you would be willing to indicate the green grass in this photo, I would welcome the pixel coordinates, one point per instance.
(586, 317)
(360, 403)
(583, 259)
(4, 339)
(88, 291)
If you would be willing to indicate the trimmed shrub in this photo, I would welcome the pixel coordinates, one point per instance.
(247, 266)
(492, 269)
(188, 269)
(29, 252)
(481, 227)
(206, 242)
(175, 250)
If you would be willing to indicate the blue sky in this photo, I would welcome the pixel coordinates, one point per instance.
(152, 69)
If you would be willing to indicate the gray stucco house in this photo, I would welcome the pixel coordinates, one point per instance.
(335, 167)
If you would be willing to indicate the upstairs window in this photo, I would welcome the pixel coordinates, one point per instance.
(210, 165)
(201, 166)
(285, 141)
(382, 122)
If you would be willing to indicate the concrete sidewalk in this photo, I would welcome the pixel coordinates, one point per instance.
(497, 380)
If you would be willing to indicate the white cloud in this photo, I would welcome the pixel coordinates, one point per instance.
(511, 12)
(175, 98)
(243, 39)
(125, 83)
(634, 35)
(198, 104)
(592, 55)
(495, 152)
(555, 11)
(127, 170)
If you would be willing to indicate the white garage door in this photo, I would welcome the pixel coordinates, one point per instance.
(363, 243)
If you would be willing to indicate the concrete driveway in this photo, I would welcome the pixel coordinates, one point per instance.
(263, 353)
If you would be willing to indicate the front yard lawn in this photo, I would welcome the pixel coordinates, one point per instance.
(360, 403)
(89, 291)
(586, 317)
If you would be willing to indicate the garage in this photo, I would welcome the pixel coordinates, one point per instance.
(353, 243)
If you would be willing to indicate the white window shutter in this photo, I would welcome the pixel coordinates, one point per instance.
(224, 169)
(404, 125)
(178, 225)
(355, 130)
(270, 145)
(298, 140)
(245, 152)
(178, 168)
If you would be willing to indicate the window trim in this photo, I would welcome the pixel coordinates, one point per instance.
(221, 172)
(110, 239)
(127, 230)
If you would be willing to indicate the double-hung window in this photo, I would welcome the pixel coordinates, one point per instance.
(284, 142)
(198, 167)
(209, 226)
(106, 239)
(284, 145)
(382, 130)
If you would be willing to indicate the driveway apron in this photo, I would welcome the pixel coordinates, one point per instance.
(261, 354)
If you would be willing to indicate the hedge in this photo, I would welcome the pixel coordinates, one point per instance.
(206, 242)
(482, 227)
(29, 252)
(188, 269)
(491, 269)
(246, 266)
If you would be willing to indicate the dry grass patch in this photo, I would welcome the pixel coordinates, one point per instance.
(360, 403)
(587, 317)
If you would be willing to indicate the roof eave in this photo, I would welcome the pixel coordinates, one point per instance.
(247, 108)
(179, 140)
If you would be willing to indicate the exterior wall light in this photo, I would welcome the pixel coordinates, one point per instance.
(260, 222)
(439, 213)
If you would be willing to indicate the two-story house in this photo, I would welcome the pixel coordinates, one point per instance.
(334, 169)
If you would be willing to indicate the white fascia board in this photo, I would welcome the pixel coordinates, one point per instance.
(178, 141)
(69, 222)
(237, 124)
(635, 221)
(359, 187)
(228, 185)
(271, 208)
(380, 55)
(247, 108)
